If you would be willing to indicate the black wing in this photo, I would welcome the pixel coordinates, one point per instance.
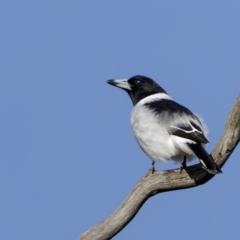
(189, 128)
(190, 131)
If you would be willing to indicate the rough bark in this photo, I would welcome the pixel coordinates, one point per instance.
(153, 183)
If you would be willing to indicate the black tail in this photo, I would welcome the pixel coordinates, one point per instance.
(205, 159)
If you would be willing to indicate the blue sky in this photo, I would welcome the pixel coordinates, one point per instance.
(68, 158)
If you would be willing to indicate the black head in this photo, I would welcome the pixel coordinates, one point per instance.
(138, 87)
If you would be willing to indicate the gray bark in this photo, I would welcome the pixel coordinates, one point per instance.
(158, 182)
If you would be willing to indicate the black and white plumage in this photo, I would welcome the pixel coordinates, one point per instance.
(163, 128)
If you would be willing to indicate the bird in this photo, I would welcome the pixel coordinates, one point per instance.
(164, 129)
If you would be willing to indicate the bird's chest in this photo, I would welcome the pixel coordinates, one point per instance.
(151, 133)
(148, 131)
(144, 123)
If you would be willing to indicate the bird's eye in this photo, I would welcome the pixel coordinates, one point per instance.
(138, 82)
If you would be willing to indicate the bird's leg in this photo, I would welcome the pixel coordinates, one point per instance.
(184, 165)
(152, 169)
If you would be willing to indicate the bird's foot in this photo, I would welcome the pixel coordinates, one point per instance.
(183, 165)
(152, 168)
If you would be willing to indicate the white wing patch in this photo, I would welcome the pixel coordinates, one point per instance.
(190, 130)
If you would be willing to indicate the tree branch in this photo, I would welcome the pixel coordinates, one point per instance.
(153, 183)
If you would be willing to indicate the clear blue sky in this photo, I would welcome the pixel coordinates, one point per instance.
(67, 155)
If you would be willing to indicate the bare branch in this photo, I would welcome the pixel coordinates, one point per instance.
(158, 182)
